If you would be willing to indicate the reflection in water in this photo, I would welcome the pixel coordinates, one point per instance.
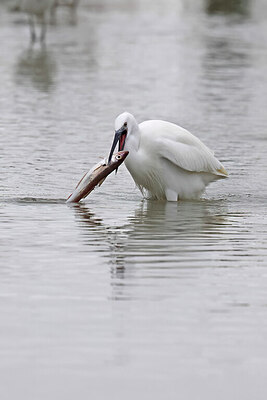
(160, 237)
(162, 241)
(36, 67)
(227, 7)
(71, 5)
(223, 60)
(86, 217)
(96, 233)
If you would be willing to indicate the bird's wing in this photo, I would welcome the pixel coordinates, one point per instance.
(180, 147)
(194, 157)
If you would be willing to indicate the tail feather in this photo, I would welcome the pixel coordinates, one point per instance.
(222, 171)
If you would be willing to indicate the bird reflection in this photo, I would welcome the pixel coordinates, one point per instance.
(157, 234)
(86, 217)
(37, 68)
(94, 230)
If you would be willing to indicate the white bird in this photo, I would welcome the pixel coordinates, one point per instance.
(165, 160)
(37, 9)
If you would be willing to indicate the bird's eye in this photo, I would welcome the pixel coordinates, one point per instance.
(118, 157)
(125, 124)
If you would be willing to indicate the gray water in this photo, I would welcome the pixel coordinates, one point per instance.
(120, 297)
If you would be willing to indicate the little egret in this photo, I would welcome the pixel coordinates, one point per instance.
(165, 160)
(37, 9)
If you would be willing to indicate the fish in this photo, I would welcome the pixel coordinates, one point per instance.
(96, 176)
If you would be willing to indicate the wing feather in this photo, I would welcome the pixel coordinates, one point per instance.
(190, 158)
(180, 147)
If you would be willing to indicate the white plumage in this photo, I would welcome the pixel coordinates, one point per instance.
(166, 161)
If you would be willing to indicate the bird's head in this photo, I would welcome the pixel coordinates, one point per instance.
(124, 125)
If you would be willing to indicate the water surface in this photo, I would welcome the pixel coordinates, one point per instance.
(119, 297)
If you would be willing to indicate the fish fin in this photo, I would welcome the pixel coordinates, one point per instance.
(100, 183)
(80, 180)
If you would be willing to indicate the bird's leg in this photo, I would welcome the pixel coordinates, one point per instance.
(32, 29)
(43, 29)
(171, 195)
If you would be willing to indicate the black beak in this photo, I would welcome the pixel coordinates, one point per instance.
(118, 134)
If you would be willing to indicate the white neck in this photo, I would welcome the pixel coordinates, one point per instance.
(133, 139)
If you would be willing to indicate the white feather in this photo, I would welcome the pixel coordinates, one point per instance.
(166, 161)
(179, 146)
